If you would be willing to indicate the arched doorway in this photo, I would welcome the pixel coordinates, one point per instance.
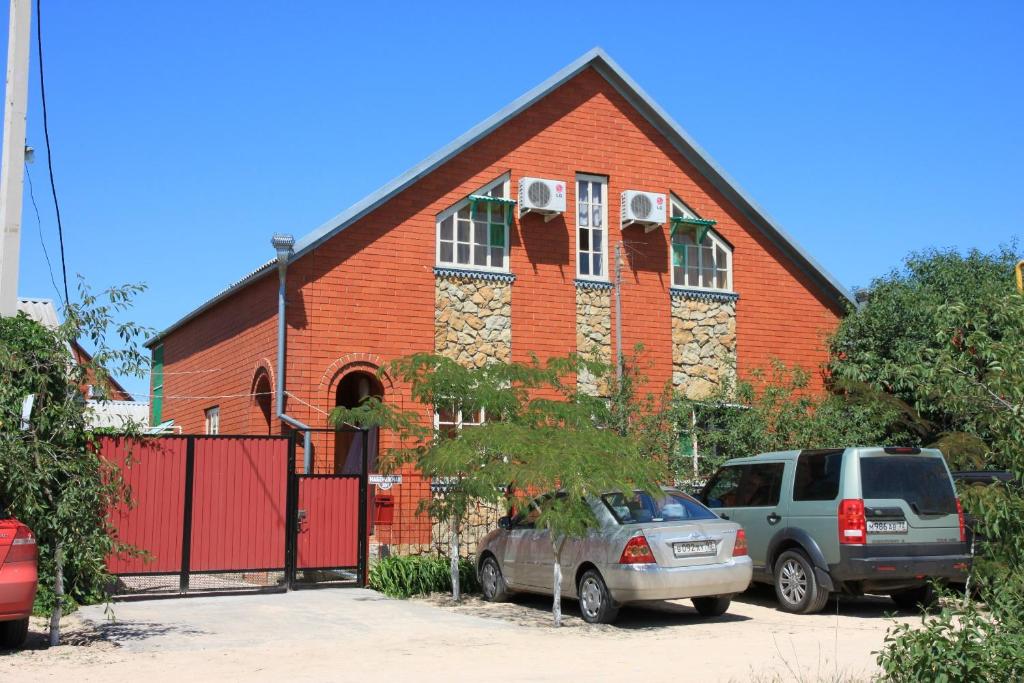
(352, 390)
(260, 420)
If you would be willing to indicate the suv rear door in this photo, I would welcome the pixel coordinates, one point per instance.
(749, 494)
(817, 479)
(908, 498)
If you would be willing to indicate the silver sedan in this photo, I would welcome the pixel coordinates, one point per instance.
(644, 548)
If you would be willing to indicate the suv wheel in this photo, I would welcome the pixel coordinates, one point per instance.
(920, 598)
(796, 586)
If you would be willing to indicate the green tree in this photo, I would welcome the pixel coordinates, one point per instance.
(879, 345)
(50, 476)
(541, 435)
(774, 411)
(975, 370)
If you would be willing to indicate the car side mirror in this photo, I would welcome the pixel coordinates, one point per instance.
(505, 522)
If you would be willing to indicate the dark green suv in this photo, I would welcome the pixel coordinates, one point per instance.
(855, 520)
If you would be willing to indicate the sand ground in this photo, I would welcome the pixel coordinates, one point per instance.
(359, 635)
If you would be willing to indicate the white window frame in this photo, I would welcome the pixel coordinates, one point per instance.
(212, 416)
(501, 182)
(716, 241)
(603, 180)
(459, 422)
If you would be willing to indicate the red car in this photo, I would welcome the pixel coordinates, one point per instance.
(18, 578)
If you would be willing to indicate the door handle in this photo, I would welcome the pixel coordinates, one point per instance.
(774, 518)
(723, 515)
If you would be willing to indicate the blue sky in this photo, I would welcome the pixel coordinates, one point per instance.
(185, 133)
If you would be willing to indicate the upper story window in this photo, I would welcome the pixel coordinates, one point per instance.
(592, 227)
(703, 265)
(476, 236)
(213, 420)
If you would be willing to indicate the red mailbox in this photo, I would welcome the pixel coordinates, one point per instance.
(383, 509)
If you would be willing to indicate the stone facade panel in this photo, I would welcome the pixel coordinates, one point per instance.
(472, 320)
(703, 345)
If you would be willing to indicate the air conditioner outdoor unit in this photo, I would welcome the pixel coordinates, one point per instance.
(538, 195)
(644, 208)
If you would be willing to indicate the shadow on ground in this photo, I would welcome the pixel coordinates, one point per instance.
(535, 611)
(79, 633)
(864, 606)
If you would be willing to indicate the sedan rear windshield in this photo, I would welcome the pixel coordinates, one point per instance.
(921, 481)
(641, 507)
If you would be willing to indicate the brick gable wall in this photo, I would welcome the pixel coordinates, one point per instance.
(369, 292)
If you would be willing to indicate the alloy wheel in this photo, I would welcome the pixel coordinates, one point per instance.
(793, 581)
(590, 597)
(490, 579)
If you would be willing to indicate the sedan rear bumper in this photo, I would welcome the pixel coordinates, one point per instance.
(17, 590)
(639, 582)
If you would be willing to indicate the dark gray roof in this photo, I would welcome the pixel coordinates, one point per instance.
(604, 65)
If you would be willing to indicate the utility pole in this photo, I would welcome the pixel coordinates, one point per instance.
(12, 173)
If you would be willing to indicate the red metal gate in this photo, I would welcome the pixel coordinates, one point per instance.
(331, 508)
(232, 512)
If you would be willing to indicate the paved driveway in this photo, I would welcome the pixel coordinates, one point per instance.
(357, 635)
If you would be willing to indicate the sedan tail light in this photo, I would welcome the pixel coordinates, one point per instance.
(637, 551)
(739, 548)
(23, 547)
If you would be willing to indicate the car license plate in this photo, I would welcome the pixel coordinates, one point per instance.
(694, 548)
(887, 527)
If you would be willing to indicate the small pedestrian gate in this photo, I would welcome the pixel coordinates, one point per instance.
(226, 513)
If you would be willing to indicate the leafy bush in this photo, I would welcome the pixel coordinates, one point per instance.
(405, 576)
(964, 643)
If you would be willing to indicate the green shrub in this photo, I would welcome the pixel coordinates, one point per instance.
(964, 643)
(403, 577)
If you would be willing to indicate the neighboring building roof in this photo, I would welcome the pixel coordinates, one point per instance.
(44, 312)
(41, 310)
(117, 414)
(628, 88)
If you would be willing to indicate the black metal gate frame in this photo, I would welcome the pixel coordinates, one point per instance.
(290, 559)
(292, 504)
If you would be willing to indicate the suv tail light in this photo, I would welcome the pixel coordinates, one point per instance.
(23, 547)
(739, 549)
(963, 527)
(853, 525)
(637, 551)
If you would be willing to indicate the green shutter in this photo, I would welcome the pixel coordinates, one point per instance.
(157, 400)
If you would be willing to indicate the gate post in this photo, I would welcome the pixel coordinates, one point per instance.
(364, 536)
(186, 521)
(291, 513)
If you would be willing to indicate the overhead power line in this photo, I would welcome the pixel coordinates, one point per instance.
(49, 156)
(42, 242)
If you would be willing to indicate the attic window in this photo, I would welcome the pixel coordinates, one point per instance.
(473, 234)
(701, 259)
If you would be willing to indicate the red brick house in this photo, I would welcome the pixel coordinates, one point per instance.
(450, 258)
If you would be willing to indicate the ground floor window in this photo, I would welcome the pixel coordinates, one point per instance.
(213, 420)
(450, 421)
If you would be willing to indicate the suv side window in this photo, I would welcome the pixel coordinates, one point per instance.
(761, 485)
(817, 475)
(721, 492)
(755, 485)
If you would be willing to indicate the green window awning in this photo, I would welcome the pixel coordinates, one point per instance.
(702, 226)
(487, 199)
